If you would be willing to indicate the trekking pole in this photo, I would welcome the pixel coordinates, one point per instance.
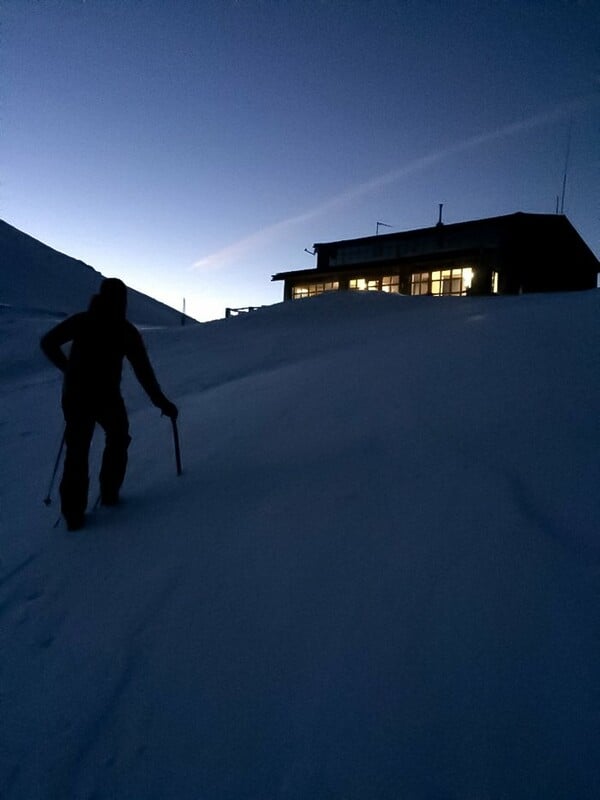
(48, 498)
(176, 442)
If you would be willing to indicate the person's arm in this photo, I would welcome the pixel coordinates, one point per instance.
(51, 342)
(138, 358)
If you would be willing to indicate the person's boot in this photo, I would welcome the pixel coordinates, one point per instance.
(109, 498)
(75, 520)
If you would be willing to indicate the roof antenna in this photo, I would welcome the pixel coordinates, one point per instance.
(381, 225)
(310, 252)
(567, 155)
(439, 222)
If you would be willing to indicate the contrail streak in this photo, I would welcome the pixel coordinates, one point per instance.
(238, 249)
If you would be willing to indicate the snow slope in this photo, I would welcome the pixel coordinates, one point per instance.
(377, 577)
(36, 277)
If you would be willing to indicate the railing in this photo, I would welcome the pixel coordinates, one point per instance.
(234, 312)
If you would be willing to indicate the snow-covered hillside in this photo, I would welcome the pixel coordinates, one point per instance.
(377, 577)
(33, 276)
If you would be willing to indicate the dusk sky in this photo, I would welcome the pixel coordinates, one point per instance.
(196, 147)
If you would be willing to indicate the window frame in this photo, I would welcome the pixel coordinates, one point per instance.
(304, 290)
(443, 282)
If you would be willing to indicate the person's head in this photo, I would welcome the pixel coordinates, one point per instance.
(111, 301)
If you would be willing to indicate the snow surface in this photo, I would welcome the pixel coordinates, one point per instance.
(38, 278)
(377, 577)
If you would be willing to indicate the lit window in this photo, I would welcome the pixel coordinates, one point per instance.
(494, 283)
(312, 289)
(357, 283)
(419, 283)
(455, 281)
(391, 283)
(364, 284)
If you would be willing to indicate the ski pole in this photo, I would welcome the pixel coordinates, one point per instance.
(176, 442)
(48, 498)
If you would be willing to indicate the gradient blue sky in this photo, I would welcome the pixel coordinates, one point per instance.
(194, 148)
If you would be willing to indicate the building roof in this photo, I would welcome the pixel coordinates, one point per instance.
(419, 243)
(503, 220)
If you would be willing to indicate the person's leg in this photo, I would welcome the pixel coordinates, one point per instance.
(113, 419)
(79, 429)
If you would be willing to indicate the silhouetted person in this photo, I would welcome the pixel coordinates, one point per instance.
(101, 337)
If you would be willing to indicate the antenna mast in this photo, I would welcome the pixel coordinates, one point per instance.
(567, 156)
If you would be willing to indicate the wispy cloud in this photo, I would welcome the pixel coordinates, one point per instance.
(237, 250)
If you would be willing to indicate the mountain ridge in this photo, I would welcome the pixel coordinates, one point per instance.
(37, 277)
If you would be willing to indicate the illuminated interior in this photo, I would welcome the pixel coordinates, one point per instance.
(419, 283)
(455, 281)
(364, 284)
(312, 289)
(389, 283)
